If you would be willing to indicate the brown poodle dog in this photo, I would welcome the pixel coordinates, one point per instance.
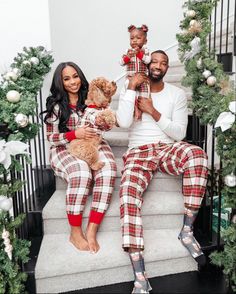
(97, 115)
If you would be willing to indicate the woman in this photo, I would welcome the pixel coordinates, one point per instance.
(64, 110)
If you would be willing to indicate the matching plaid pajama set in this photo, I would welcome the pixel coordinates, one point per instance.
(135, 64)
(142, 160)
(139, 166)
(76, 172)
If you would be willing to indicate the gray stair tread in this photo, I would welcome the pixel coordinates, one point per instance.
(117, 138)
(154, 204)
(59, 257)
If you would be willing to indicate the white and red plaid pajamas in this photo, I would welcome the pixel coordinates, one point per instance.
(139, 166)
(77, 173)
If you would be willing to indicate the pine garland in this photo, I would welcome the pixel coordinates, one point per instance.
(18, 90)
(210, 98)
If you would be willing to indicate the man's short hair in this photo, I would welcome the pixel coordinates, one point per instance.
(162, 52)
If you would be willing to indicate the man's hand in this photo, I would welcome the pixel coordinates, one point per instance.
(146, 105)
(136, 80)
(85, 132)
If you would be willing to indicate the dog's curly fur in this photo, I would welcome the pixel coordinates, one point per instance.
(99, 94)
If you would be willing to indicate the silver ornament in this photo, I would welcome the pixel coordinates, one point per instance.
(193, 22)
(21, 120)
(206, 73)
(13, 96)
(11, 76)
(190, 13)
(34, 60)
(26, 63)
(230, 180)
(211, 81)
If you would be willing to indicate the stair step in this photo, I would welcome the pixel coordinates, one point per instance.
(162, 210)
(61, 267)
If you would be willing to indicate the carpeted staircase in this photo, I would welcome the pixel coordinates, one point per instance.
(61, 267)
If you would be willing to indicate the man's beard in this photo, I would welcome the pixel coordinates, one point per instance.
(156, 78)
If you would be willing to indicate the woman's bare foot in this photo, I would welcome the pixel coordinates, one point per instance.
(91, 234)
(78, 240)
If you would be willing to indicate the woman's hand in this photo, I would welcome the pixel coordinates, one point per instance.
(85, 132)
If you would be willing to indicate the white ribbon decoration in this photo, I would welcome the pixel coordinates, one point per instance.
(195, 48)
(226, 119)
(11, 148)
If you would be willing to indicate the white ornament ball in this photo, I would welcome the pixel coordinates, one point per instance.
(190, 13)
(13, 96)
(21, 120)
(6, 204)
(193, 23)
(230, 180)
(206, 74)
(34, 60)
(27, 63)
(199, 63)
(11, 76)
(211, 81)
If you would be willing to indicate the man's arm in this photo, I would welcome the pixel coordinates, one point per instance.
(176, 127)
(125, 112)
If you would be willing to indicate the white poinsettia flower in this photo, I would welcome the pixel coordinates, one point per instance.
(232, 106)
(2, 144)
(11, 148)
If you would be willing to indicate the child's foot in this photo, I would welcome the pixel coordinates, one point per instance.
(78, 240)
(91, 234)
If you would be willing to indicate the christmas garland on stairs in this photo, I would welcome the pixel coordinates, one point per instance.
(213, 101)
(18, 90)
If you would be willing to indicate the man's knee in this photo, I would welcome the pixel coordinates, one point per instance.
(198, 155)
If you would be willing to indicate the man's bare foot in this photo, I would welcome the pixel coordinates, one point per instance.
(91, 233)
(78, 240)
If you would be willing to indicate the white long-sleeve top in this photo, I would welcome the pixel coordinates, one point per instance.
(171, 102)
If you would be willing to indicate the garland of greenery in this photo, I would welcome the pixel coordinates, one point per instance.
(213, 101)
(18, 90)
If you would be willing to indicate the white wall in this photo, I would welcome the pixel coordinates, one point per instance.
(22, 23)
(94, 33)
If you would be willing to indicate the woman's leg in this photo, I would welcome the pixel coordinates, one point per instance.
(104, 181)
(191, 161)
(79, 178)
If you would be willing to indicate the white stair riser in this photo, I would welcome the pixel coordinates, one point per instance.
(112, 276)
(112, 223)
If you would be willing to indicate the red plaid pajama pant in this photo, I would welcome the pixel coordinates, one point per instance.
(80, 179)
(139, 166)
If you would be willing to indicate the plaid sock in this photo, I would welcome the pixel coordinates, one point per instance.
(141, 283)
(187, 238)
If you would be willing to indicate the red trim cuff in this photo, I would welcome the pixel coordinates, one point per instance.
(96, 217)
(126, 59)
(70, 136)
(140, 55)
(75, 220)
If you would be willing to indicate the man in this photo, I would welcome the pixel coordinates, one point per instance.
(155, 144)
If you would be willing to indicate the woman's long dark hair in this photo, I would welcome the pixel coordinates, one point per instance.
(61, 98)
